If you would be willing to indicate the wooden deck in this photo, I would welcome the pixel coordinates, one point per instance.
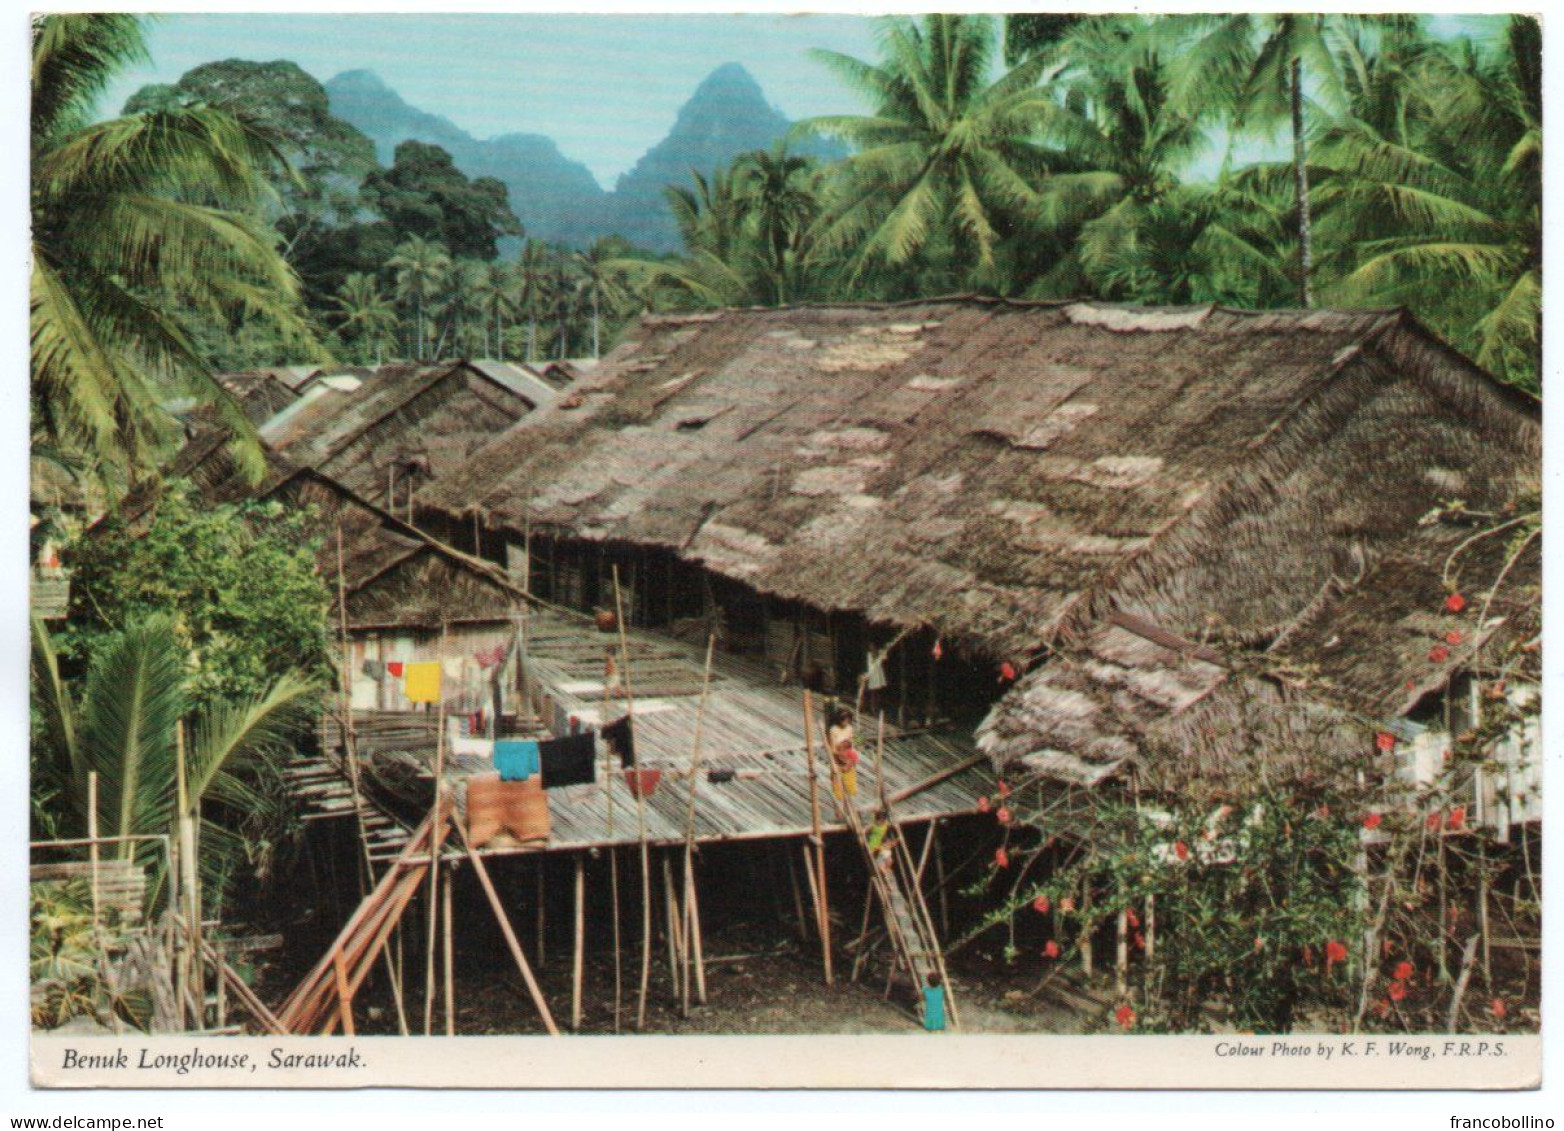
(752, 725)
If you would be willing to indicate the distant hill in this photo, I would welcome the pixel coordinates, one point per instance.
(727, 115)
(558, 199)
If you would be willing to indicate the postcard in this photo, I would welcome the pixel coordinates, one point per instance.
(938, 550)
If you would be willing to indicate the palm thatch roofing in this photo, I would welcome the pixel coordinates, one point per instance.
(431, 416)
(1014, 475)
(261, 393)
(393, 574)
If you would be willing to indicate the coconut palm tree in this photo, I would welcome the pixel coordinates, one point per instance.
(131, 218)
(122, 726)
(946, 165)
(1253, 69)
(421, 269)
(1436, 191)
(365, 313)
(525, 290)
(780, 204)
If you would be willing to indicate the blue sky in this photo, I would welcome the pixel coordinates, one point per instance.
(605, 88)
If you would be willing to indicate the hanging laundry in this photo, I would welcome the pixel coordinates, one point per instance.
(374, 669)
(621, 739)
(423, 683)
(452, 669)
(571, 760)
(518, 809)
(517, 759)
(874, 676)
(395, 668)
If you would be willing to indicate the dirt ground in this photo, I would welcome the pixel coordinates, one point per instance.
(757, 981)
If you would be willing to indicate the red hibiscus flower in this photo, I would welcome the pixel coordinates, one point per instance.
(1041, 905)
(1001, 857)
(984, 805)
(1334, 952)
(1051, 950)
(1385, 741)
(1003, 815)
(1004, 789)
(1499, 1008)
(1438, 654)
(1453, 637)
(1434, 821)
(1457, 818)
(1454, 603)
(1125, 1016)
(1007, 672)
(1140, 941)
(1403, 972)
(1398, 990)
(1181, 850)
(1372, 821)
(1130, 917)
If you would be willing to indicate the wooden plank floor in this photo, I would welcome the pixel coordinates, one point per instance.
(752, 726)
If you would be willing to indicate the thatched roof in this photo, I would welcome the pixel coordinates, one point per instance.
(394, 575)
(1010, 474)
(260, 392)
(433, 415)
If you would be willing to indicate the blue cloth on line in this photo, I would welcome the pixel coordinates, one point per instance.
(516, 758)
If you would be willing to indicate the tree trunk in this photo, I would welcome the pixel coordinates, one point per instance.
(1301, 181)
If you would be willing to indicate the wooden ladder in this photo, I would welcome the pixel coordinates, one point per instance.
(324, 999)
(908, 925)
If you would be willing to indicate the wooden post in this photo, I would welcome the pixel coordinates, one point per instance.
(344, 994)
(579, 953)
(1151, 928)
(1121, 957)
(939, 879)
(450, 971)
(690, 915)
(540, 913)
(693, 935)
(879, 764)
(640, 815)
(798, 897)
(818, 878)
(613, 882)
(510, 934)
(434, 853)
(92, 846)
(1085, 942)
(1483, 882)
(674, 929)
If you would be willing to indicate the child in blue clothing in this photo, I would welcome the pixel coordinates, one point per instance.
(934, 1004)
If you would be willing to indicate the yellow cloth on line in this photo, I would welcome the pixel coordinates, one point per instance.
(423, 683)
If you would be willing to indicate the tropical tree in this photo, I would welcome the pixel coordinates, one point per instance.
(365, 314)
(946, 166)
(779, 199)
(1436, 190)
(1254, 70)
(602, 278)
(421, 269)
(131, 218)
(123, 724)
(525, 293)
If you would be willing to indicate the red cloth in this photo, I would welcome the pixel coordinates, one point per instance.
(395, 668)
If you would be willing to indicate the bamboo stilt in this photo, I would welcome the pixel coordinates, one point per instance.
(939, 880)
(674, 930)
(540, 914)
(434, 869)
(509, 932)
(580, 945)
(817, 875)
(693, 909)
(798, 897)
(613, 879)
(689, 925)
(344, 995)
(640, 816)
(450, 964)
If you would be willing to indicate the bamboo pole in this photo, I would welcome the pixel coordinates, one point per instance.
(195, 983)
(344, 994)
(509, 932)
(674, 929)
(692, 904)
(540, 915)
(798, 898)
(689, 913)
(450, 972)
(818, 878)
(439, 808)
(879, 764)
(1151, 928)
(640, 812)
(580, 944)
(1121, 957)
(613, 881)
(92, 838)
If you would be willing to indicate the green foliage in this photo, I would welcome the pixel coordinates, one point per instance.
(131, 217)
(424, 194)
(239, 581)
(1249, 898)
(65, 960)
